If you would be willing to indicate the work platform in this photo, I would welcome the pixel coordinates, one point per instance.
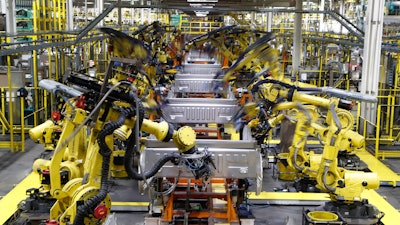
(270, 207)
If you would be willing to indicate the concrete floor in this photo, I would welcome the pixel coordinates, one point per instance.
(15, 166)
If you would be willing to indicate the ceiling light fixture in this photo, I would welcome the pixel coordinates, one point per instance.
(199, 5)
(201, 13)
(203, 1)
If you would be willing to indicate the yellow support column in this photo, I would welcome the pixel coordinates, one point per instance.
(49, 58)
(358, 117)
(3, 111)
(10, 103)
(392, 119)
(56, 59)
(44, 18)
(35, 86)
(62, 19)
(61, 14)
(45, 104)
(62, 59)
(397, 78)
(387, 123)
(56, 15)
(36, 24)
(377, 132)
(96, 55)
(22, 101)
(320, 68)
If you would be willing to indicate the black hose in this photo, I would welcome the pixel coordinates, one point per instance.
(389, 184)
(131, 146)
(283, 84)
(173, 157)
(266, 81)
(105, 152)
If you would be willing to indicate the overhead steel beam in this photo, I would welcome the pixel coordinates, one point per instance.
(94, 22)
(347, 24)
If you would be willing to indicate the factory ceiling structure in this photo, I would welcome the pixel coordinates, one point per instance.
(213, 6)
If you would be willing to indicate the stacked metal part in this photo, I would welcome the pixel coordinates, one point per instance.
(194, 99)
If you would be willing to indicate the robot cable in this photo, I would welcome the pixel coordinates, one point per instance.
(77, 129)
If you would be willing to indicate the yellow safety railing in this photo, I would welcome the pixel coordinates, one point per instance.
(364, 127)
(16, 120)
(282, 28)
(195, 27)
(384, 133)
(8, 119)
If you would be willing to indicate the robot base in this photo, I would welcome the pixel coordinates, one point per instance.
(355, 213)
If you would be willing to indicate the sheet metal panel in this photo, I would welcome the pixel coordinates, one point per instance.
(196, 68)
(233, 159)
(200, 110)
(196, 85)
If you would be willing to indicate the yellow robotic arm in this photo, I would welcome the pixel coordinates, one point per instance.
(334, 132)
(343, 185)
(44, 134)
(84, 198)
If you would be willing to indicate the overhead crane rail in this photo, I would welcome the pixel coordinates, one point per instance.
(94, 22)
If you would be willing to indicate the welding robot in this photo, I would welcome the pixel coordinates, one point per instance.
(81, 189)
(326, 119)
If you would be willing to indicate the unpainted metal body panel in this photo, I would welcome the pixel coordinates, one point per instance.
(233, 159)
(200, 110)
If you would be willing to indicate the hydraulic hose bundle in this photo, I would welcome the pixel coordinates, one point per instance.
(135, 109)
(105, 151)
(132, 173)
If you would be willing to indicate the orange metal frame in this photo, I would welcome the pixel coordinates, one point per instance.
(230, 214)
(207, 130)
